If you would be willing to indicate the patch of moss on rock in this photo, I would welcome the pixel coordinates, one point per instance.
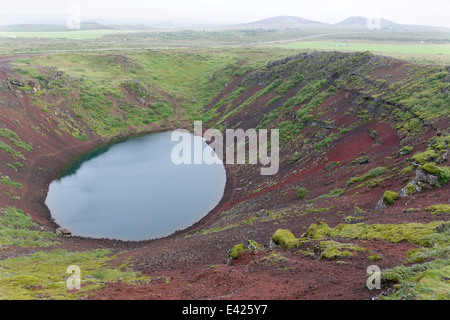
(285, 237)
(253, 245)
(410, 189)
(439, 208)
(236, 251)
(431, 168)
(423, 157)
(389, 197)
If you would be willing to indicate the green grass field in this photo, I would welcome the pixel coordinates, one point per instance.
(70, 35)
(373, 47)
(417, 45)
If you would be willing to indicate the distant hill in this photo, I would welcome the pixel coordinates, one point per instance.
(362, 22)
(280, 22)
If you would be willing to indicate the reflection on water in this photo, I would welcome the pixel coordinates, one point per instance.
(132, 191)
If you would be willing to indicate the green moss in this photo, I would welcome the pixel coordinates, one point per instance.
(441, 142)
(423, 157)
(352, 219)
(17, 229)
(444, 175)
(439, 208)
(306, 253)
(371, 174)
(82, 137)
(427, 281)
(410, 190)
(318, 231)
(285, 237)
(295, 158)
(43, 275)
(333, 193)
(417, 233)
(228, 226)
(8, 149)
(375, 257)
(236, 251)
(407, 170)
(273, 259)
(302, 193)
(405, 150)
(431, 168)
(310, 209)
(253, 245)
(7, 181)
(332, 250)
(389, 197)
(442, 172)
(357, 210)
(295, 80)
(15, 139)
(437, 246)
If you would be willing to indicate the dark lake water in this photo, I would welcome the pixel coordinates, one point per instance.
(132, 190)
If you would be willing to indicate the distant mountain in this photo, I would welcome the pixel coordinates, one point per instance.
(362, 22)
(280, 22)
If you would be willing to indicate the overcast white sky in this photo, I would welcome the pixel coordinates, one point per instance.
(423, 12)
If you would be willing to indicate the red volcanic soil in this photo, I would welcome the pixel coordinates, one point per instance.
(194, 263)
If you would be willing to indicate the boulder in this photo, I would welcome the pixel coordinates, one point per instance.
(63, 232)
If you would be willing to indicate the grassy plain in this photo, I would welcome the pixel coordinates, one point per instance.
(423, 45)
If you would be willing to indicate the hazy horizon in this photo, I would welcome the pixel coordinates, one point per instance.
(413, 12)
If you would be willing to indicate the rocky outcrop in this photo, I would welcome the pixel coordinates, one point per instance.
(422, 181)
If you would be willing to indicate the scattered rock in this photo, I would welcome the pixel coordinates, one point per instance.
(262, 213)
(361, 161)
(17, 83)
(272, 64)
(63, 232)
(380, 205)
(425, 177)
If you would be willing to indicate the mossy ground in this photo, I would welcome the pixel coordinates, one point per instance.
(43, 275)
(427, 281)
(439, 208)
(332, 250)
(389, 197)
(18, 230)
(417, 233)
